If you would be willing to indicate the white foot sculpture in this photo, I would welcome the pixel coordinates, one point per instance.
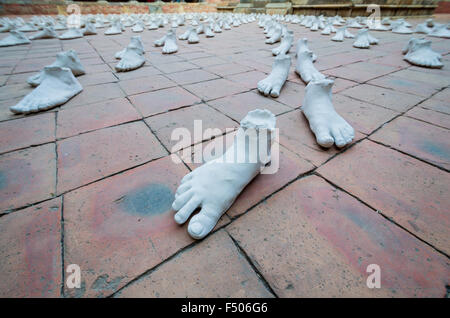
(14, 38)
(339, 36)
(275, 36)
(89, 29)
(135, 42)
(273, 83)
(440, 31)
(72, 33)
(286, 44)
(138, 27)
(364, 39)
(68, 59)
(170, 44)
(328, 127)
(186, 34)
(131, 59)
(193, 37)
(305, 67)
(418, 52)
(47, 33)
(57, 87)
(302, 46)
(116, 28)
(214, 186)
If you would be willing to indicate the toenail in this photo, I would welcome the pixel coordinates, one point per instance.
(196, 228)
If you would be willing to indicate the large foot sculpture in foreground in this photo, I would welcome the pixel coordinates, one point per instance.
(214, 186)
(326, 124)
(57, 87)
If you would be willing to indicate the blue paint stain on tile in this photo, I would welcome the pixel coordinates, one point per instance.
(152, 199)
(436, 150)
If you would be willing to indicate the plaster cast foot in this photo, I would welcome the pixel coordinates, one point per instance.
(138, 27)
(136, 43)
(362, 39)
(47, 33)
(131, 60)
(302, 45)
(339, 36)
(68, 59)
(285, 46)
(305, 67)
(328, 127)
(170, 45)
(419, 52)
(214, 186)
(193, 37)
(160, 41)
(275, 36)
(14, 38)
(57, 87)
(72, 33)
(186, 34)
(273, 83)
(89, 29)
(116, 28)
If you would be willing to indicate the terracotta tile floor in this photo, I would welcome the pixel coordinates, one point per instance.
(91, 182)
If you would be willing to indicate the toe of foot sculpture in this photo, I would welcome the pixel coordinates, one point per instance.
(326, 124)
(273, 83)
(57, 87)
(418, 52)
(14, 38)
(214, 186)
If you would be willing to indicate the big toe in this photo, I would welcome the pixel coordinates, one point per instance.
(201, 225)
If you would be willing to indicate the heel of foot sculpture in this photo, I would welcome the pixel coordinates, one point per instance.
(57, 87)
(214, 196)
(326, 124)
(273, 83)
(305, 67)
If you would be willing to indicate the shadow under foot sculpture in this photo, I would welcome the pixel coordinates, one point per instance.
(305, 67)
(135, 42)
(326, 124)
(273, 83)
(14, 38)
(286, 44)
(132, 59)
(57, 87)
(72, 33)
(418, 52)
(170, 43)
(68, 59)
(47, 33)
(214, 186)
